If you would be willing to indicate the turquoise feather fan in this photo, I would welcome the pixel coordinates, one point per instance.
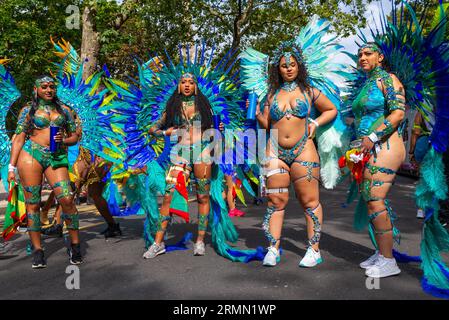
(8, 95)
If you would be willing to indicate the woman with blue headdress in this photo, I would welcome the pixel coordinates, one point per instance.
(186, 108)
(31, 157)
(300, 102)
(167, 118)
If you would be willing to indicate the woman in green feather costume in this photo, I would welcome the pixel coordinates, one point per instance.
(32, 157)
(379, 110)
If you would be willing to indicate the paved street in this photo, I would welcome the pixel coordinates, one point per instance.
(115, 269)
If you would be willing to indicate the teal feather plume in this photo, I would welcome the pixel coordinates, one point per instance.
(8, 95)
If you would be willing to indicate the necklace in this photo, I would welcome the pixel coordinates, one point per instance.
(289, 86)
(187, 104)
(46, 106)
(374, 74)
(188, 101)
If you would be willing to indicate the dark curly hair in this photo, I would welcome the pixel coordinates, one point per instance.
(275, 80)
(202, 105)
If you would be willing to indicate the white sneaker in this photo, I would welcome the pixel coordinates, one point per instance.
(420, 214)
(311, 259)
(199, 249)
(154, 250)
(272, 257)
(370, 261)
(383, 267)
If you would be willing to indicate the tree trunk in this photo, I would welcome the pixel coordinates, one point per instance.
(90, 44)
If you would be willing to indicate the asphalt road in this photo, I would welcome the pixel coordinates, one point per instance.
(115, 269)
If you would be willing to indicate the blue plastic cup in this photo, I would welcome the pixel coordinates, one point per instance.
(216, 119)
(54, 146)
(251, 113)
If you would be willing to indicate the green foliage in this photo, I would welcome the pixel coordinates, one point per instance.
(130, 28)
(264, 23)
(25, 29)
(430, 10)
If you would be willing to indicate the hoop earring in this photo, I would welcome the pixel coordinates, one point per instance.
(196, 89)
(179, 88)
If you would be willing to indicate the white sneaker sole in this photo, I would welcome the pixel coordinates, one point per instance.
(158, 253)
(271, 264)
(302, 265)
(366, 266)
(389, 274)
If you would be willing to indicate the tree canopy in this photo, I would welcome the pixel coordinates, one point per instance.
(137, 27)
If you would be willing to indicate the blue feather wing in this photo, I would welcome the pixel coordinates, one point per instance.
(8, 95)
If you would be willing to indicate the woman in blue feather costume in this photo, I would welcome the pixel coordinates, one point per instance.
(379, 111)
(294, 158)
(303, 101)
(187, 115)
(32, 157)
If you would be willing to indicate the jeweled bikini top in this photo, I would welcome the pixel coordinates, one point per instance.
(300, 110)
(42, 117)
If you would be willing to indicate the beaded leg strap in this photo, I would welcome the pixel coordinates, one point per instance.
(391, 215)
(72, 220)
(161, 220)
(316, 226)
(66, 189)
(266, 224)
(265, 191)
(35, 191)
(202, 186)
(34, 221)
(202, 221)
(310, 166)
(368, 184)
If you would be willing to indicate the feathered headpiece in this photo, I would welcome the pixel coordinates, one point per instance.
(287, 49)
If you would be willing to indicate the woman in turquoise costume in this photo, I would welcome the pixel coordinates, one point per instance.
(379, 110)
(418, 76)
(31, 156)
(186, 106)
(300, 102)
(297, 160)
